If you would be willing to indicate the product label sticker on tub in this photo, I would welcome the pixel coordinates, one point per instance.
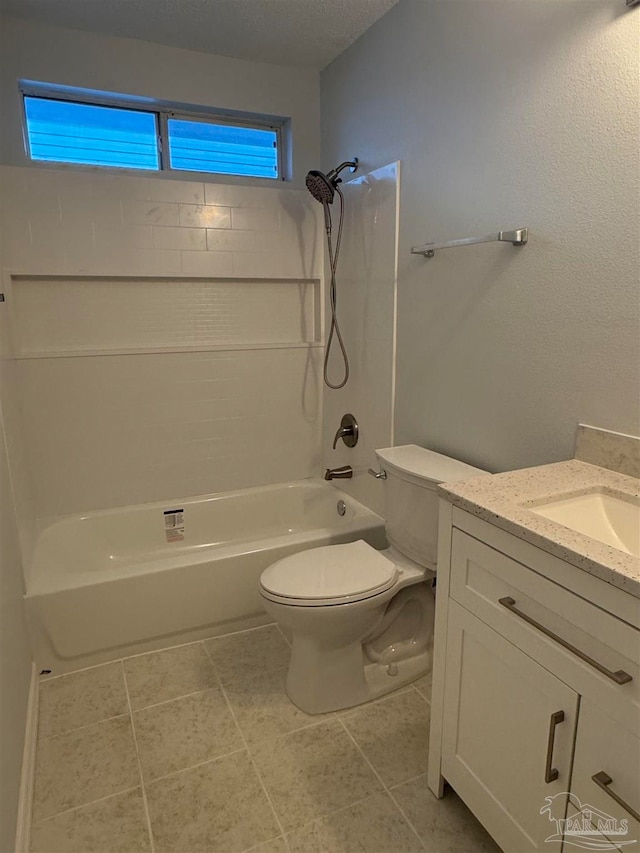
(174, 525)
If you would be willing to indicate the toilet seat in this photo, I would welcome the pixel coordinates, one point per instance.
(332, 574)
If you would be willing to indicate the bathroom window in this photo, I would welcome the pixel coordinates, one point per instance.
(60, 127)
(68, 132)
(205, 146)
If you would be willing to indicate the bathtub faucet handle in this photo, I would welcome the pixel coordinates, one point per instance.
(347, 431)
(343, 473)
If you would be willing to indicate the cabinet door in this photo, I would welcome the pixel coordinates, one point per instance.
(508, 722)
(607, 750)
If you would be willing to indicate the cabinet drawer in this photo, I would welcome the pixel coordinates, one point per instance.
(505, 594)
(608, 751)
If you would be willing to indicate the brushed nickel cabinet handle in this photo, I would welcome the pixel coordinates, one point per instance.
(620, 677)
(550, 773)
(603, 780)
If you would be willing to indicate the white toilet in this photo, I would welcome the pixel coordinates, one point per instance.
(362, 620)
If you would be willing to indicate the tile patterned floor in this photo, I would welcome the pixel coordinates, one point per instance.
(197, 748)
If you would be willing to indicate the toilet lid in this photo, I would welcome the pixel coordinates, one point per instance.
(331, 572)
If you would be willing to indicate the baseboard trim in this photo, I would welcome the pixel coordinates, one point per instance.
(23, 824)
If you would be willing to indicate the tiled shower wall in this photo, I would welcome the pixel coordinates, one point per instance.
(166, 336)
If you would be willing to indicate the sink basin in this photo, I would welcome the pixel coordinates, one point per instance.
(599, 514)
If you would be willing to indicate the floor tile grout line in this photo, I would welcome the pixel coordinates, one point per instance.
(257, 846)
(160, 651)
(242, 678)
(406, 781)
(51, 678)
(142, 780)
(404, 815)
(152, 652)
(304, 728)
(251, 759)
(195, 766)
(384, 786)
(85, 726)
(246, 746)
(175, 699)
(361, 751)
(86, 805)
(330, 814)
(219, 758)
(286, 639)
(322, 718)
(364, 706)
(253, 763)
(241, 631)
(420, 693)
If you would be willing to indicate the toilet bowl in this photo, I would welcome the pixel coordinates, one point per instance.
(361, 620)
(335, 601)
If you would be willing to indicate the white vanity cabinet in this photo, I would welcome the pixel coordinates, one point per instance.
(536, 689)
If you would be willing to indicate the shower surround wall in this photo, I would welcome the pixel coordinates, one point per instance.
(15, 652)
(505, 114)
(366, 303)
(166, 336)
(156, 420)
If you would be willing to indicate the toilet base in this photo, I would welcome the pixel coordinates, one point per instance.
(321, 694)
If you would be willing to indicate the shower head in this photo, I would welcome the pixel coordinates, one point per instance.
(322, 187)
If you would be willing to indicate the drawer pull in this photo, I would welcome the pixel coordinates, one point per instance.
(620, 677)
(550, 773)
(603, 780)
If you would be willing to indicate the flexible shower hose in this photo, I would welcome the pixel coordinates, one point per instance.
(333, 296)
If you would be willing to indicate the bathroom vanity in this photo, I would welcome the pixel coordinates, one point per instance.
(536, 681)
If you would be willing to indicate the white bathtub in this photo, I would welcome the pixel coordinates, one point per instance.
(119, 581)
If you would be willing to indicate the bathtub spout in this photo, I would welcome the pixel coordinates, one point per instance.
(344, 473)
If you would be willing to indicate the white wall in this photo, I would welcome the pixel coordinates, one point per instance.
(505, 114)
(157, 356)
(69, 57)
(15, 655)
(366, 284)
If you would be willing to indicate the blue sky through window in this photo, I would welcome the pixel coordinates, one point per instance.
(206, 147)
(68, 132)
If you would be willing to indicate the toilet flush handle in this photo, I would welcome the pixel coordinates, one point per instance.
(379, 475)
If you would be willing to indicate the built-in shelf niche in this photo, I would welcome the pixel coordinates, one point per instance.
(55, 316)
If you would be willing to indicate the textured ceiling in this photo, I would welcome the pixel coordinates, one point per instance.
(287, 32)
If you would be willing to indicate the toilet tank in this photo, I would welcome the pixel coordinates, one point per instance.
(411, 500)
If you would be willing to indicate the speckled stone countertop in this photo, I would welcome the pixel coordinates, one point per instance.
(502, 500)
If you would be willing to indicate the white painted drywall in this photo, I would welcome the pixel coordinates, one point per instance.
(15, 653)
(505, 114)
(35, 51)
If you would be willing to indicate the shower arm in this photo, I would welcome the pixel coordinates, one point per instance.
(352, 165)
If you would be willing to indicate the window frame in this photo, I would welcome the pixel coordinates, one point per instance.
(162, 112)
